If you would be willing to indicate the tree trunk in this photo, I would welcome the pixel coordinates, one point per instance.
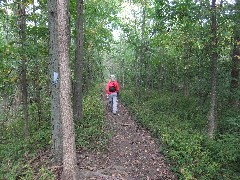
(77, 96)
(7, 25)
(136, 63)
(57, 145)
(100, 63)
(185, 73)
(36, 80)
(70, 168)
(142, 48)
(213, 103)
(160, 75)
(24, 66)
(88, 73)
(122, 72)
(137, 75)
(235, 101)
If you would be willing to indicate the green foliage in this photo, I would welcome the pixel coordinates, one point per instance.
(16, 151)
(180, 126)
(24, 171)
(90, 131)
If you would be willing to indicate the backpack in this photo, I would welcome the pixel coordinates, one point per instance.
(112, 88)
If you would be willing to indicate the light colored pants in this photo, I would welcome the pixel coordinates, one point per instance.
(113, 98)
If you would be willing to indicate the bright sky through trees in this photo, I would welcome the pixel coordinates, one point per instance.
(128, 10)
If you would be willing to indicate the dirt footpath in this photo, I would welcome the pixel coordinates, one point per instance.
(131, 153)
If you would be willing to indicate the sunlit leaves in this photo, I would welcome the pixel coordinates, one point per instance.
(99, 16)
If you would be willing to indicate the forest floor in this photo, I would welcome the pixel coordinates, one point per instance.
(131, 153)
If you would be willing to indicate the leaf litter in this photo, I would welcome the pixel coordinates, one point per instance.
(131, 153)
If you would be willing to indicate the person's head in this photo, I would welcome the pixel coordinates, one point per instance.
(112, 77)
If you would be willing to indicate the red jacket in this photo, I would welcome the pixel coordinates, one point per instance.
(110, 84)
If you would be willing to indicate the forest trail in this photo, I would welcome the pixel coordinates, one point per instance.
(130, 154)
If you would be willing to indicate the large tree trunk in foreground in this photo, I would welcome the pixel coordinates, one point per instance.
(77, 96)
(213, 103)
(70, 168)
(54, 84)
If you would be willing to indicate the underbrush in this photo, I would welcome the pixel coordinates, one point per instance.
(17, 153)
(180, 125)
(90, 131)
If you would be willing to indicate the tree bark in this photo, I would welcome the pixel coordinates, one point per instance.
(7, 26)
(185, 71)
(70, 168)
(57, 146)
(36, 79)
(142, 48)
(235, 101)
(77, 96)
(88, 73)
(122, 72)
(22, 13)
(137, 63)
(213, 102)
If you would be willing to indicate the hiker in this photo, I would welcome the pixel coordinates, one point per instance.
(112, 92)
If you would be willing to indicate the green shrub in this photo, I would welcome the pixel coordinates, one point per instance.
(178, 122)
(15, 151)
(91, 131)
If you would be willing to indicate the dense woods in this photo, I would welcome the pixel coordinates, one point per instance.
(177, 63)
